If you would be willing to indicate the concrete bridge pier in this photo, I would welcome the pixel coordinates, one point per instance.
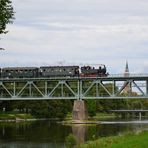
(79, 110)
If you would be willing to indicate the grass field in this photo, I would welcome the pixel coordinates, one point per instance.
(125, 141)
(14, 116)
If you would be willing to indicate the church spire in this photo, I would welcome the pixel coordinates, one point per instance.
(126, 68)
(127, 88)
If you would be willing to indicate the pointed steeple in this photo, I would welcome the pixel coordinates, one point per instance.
(126, 68)
(127, 88)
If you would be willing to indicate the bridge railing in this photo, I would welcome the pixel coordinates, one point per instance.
(130, 75)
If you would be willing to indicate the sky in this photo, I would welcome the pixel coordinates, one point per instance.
(78, 32)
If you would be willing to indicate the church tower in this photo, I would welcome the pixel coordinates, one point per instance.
(126, 74)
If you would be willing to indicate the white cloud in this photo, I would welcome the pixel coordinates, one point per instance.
(80, 31)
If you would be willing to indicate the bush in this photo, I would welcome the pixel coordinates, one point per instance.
(70, 141)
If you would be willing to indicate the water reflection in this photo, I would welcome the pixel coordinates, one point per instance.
(80, 132)
(33, 135)
(50, 134)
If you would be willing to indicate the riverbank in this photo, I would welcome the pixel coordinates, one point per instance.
(91, 120)
(131, 140)
(11, 117)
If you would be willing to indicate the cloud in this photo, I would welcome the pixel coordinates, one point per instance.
(80, 31)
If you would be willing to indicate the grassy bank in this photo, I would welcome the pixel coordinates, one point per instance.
(96, 117)
(104, 115)
(68, 119)
(125, 141)
(14, 116)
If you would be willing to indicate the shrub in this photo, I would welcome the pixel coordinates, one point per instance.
(70, 141)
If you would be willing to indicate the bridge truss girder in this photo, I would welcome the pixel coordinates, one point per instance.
(73, 88)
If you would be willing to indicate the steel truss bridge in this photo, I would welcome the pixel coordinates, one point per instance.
(111, 87)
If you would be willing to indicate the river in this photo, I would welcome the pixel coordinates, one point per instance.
(46, 134)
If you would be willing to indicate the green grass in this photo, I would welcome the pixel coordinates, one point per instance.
(14, 116)
(126, 141)
(98, 116)
(104, 115)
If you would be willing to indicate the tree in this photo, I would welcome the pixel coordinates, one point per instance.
(6, 14)
(92, 107)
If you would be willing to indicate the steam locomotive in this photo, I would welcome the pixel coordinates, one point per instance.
(53, 71)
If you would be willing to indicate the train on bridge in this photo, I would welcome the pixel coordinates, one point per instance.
(53, 71)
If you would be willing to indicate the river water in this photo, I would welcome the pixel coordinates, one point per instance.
(47, 134)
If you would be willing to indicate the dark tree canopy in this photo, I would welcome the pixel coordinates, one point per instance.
(6, 14)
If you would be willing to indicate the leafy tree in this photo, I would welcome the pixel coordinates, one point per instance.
(91, 104)
(7, 105)
(42, 108)
(6, 14)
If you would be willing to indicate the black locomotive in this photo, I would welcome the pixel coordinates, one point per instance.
(53, 71)
(88, 71)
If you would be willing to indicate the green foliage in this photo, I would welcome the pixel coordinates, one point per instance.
(91, 105)
(70, 141)
(41, 109)
(6, 14)
(7, 105)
